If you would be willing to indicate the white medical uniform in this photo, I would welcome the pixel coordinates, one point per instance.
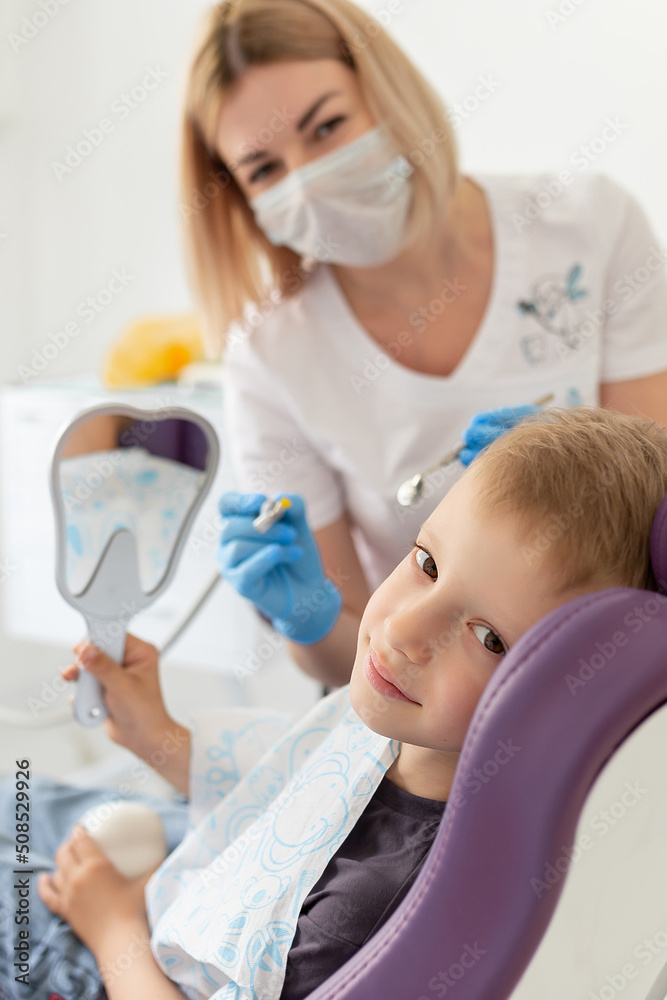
(315, 406)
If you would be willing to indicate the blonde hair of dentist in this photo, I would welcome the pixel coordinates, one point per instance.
(231, 262)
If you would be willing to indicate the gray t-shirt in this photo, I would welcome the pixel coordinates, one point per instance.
(361, 886)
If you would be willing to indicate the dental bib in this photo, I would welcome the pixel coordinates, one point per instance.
(224, 905)
(124, 487)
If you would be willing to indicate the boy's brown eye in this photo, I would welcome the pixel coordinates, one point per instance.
(426, 562)
(489, 639)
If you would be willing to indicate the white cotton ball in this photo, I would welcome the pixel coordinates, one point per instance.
(130, 834)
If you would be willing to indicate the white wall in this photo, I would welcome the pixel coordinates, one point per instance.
(554, 85)
(558, 70)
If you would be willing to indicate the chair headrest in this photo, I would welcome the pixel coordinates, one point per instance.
(659, 546)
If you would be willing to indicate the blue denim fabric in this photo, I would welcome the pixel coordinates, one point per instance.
(61, 967)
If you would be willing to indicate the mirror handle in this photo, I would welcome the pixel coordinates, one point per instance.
(89, 707)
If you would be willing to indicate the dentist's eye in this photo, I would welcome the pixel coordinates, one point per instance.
(426, 562)
(489, 639)
(326, 128)
(262, 172)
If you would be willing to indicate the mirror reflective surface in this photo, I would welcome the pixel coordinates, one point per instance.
(144, 476)
(126, 485)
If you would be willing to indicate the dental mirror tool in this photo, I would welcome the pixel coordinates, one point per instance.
(411, 490)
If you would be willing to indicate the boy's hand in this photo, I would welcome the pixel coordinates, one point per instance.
(90, 894)
(138, 718)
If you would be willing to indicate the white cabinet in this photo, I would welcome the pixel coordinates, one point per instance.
(226, 633)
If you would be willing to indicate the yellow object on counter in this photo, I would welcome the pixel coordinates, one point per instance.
(151, 350)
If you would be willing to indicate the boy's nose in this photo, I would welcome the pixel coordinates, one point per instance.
(407, 633)
(421, 630)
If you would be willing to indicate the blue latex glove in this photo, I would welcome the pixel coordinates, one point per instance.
(281, 571)
(485, 427)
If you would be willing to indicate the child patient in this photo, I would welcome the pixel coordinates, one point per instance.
(306, 839)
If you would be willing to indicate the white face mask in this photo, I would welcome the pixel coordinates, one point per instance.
(348, 207)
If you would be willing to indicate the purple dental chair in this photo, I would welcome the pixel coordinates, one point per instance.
(564, 699)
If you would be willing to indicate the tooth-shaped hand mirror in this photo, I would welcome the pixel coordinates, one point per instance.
(126, 485)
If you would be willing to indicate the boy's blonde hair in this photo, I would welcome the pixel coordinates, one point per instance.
(586, 484)
(231, 262)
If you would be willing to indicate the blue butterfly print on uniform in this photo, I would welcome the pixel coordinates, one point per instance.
(556, 306)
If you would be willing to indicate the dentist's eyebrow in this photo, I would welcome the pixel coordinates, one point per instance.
(259, 154)
(301, 124)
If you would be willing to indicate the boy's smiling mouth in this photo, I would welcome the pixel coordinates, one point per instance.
(381, 680)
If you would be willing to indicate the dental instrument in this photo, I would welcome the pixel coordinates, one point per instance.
(411, 490)
(284, 598)
(270, 512)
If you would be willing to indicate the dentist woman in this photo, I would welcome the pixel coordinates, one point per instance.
(378, 308)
